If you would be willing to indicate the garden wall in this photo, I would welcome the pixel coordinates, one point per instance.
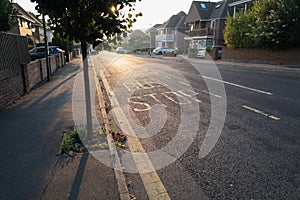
(285, 57)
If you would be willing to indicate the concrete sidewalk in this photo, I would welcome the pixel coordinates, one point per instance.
(31, 132)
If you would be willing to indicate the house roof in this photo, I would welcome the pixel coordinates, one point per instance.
(176, 21)
(239, 2)
(36, 19)
(153, 28)
(203, 10)
(26, 15)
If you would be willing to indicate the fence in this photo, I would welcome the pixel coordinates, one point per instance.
(17, 75)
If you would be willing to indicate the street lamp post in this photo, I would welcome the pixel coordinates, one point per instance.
(150, 45)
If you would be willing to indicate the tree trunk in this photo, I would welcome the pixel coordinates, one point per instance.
(88, 107)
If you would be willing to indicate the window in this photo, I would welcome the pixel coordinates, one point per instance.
(203, 5)
(20, 22)
(27, 25)
(209, 43)
(201, 44)
(212, 24)
(40, 50)
(219, 5)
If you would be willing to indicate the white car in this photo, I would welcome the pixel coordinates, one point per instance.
(201, 53)
(120, 50)
(162, 50)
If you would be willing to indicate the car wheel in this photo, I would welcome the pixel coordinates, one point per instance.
(159, 53)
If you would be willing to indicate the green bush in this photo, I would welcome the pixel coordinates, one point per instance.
(239, 30)
(209, 49)
(192, 53)
(269, 24)
(72, 143)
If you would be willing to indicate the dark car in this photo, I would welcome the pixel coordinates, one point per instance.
(40, 52)
(37, 53)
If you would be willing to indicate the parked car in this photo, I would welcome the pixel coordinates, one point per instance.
(40, 52)
(37, 53)
(55, 49)
(162, 50)
(201, 53)
(120, 50)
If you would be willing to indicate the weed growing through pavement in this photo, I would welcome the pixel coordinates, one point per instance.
(71, 143)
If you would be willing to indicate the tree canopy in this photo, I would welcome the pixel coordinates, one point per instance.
(269, 24)
(7, 15)
(238, 30)
(87, 20)
(137, 40)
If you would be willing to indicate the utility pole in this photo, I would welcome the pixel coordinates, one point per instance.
(150, 30)
(46, 50)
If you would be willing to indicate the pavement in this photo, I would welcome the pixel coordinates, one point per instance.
(31, 133)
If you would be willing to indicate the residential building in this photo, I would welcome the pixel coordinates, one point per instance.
(206, 21)
(241, 5)
(151, 33)
(171, 33)
(37, 29)
(28, 25)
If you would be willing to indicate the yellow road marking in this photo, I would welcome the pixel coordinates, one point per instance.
(261, 112)
(212, 94)
(152, 182)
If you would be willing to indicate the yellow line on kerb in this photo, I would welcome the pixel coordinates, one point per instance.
(152, 182)
(261, 112)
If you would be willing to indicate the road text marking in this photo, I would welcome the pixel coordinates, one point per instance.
(151, 180)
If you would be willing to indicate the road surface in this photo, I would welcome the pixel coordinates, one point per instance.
(256, 154)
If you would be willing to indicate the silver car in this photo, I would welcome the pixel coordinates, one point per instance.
(120, 50)
(162, 50)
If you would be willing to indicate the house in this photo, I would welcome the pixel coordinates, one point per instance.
(151, 33)
(28, 25)
(206, 21)
(37, 29)
(171, 33)
(241, 5)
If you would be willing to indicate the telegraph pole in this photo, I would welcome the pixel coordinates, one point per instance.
(46, 50)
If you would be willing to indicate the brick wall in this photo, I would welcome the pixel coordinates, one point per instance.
(14, 85)
(11, 87)
(53, 63)
(34, 74)
(36, 71)
(17, 75)
(287, 56)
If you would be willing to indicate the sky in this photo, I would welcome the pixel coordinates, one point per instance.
(154, 11)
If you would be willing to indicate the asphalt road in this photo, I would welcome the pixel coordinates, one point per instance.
(256, 156)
